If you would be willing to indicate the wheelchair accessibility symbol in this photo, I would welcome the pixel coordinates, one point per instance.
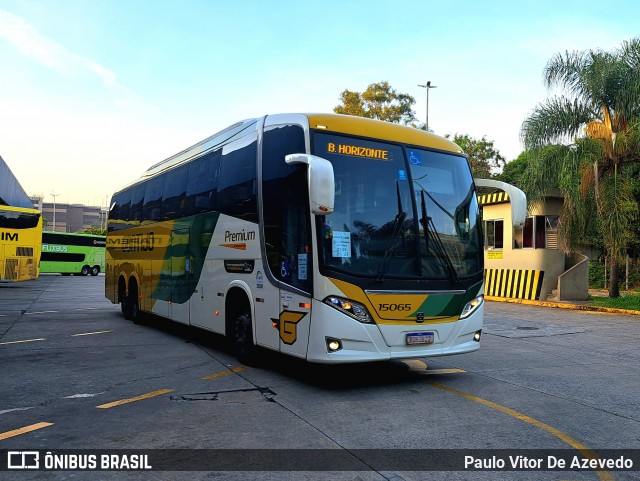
(414, 159)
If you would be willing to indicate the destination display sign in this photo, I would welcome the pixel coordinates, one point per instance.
(358, 151)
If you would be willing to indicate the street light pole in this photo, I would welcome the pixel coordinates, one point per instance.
(54, 210)
(428, 86)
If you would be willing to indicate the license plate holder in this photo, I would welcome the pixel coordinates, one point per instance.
(419, 338)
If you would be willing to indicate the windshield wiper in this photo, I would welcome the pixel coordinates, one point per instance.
(432, 237)
(398, 223)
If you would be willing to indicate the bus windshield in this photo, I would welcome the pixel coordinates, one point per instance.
(400, 212)
(18, 220)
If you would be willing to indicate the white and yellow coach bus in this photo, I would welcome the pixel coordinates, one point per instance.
(326, 237)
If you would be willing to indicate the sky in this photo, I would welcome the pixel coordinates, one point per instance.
(94, 92)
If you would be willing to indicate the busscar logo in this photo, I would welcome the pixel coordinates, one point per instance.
(23, 460)
(143, 242)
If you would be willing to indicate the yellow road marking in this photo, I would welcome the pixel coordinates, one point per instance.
(134, 399)
(421, 367)
(444, 371)
(26, 429)
(574, 443)
(224, 373)
(90, 333)
(18, 342)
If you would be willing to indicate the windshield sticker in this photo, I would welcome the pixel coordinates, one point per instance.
(402, 174)
(302, 267)
(341, 244)
(414, 158)
(359, 151)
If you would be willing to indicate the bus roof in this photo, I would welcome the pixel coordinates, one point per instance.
(378, 129)
(26, 210)
(75, 234)
(347, 124)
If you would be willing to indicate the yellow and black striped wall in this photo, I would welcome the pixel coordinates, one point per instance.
(494, 198)
(514, 283)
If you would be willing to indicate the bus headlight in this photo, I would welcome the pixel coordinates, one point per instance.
(350, 308)
(471, 306)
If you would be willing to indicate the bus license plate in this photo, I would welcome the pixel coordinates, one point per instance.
(420, 338)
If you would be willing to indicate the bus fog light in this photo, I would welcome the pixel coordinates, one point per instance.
(477, 335)
(333, 345)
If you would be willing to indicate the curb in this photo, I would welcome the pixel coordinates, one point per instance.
(563, 305)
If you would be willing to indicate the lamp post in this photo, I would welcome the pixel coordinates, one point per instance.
(428, 86)
(54, 210)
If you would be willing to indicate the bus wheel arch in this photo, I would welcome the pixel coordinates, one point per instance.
(239, 326)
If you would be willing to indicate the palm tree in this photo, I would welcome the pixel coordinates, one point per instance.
(586, 142)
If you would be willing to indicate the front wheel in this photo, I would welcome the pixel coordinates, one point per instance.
(243, 338)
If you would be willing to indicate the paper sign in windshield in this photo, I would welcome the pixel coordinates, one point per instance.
(341, 244)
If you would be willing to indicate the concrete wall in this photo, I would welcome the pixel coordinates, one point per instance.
(574, 283)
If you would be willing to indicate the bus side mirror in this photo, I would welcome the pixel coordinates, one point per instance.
(321, 181)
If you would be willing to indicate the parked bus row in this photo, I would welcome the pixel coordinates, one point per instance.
(26, 251)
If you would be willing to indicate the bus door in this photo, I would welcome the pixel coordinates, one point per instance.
(180, 282)
(295, 272)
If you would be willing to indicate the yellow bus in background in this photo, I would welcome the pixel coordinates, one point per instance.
(326, 237)
(20, 243)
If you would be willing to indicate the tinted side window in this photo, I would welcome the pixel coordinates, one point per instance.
(153, 198)
(121, 205)
(124, 204)
(174, 192)
(287, 219)
(203, 183)
(237, 189)
(137, 201)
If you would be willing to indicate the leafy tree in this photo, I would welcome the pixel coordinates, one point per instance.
(95, 230)
(378, 101)
(594, 134)
(513, 172)
(483, 156)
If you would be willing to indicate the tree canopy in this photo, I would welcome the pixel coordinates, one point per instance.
(592, 139)
(513, 172)
(484, 158)
(378, 101)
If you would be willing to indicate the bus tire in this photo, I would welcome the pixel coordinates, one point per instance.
(132, 306)
(95, 270)
(245, 349)
(85, 271)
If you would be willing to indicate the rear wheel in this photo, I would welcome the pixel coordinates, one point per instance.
(95, 270)
(85, 271)
(131, 304)
(243, 338)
